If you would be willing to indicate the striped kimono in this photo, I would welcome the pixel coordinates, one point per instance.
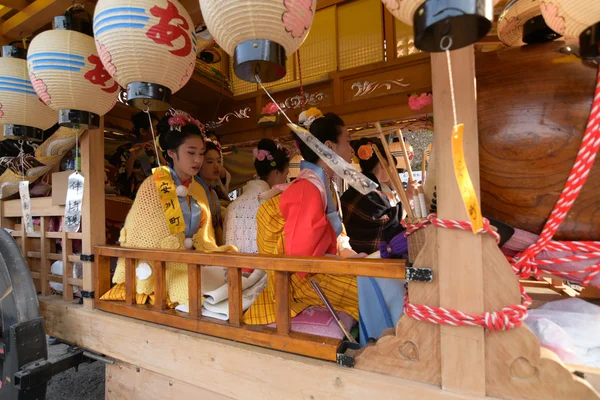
(298, 222)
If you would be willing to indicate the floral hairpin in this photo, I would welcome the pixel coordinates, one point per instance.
(261, 155)
(180, 119)
(365, 152)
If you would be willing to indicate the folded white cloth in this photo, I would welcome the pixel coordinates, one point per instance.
(215, 291)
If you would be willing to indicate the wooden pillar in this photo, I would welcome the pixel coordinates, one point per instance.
(459, 252)
(93, 213)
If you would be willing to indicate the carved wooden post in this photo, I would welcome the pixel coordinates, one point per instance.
(459, 257)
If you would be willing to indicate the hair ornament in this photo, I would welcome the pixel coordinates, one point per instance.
(306, 118)
(180, 119)
(365, 152)
(260, 155)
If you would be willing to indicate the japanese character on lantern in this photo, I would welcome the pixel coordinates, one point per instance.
(166, 33)
(99, 75)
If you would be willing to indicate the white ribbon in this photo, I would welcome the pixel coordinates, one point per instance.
(342, 168)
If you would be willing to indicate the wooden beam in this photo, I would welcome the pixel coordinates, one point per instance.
(193, 8)
(31, 18)
(392, 269)
(222, 362)
(460, 276)
(125, 381)
(93, 209)
(4, 10)
(15, 4)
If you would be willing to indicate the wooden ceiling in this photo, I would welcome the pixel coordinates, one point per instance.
(26, 18)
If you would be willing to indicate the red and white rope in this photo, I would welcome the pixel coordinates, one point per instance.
(450, 224)
(509, 317)
(525, 264)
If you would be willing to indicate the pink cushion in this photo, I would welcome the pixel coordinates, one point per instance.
(318, 321)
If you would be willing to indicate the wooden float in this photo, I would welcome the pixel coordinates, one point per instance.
(161, 353)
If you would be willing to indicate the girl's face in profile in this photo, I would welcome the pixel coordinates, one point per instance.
(211, 167)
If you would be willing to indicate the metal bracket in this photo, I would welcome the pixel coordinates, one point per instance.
(419, 274)
(87, 295)
(345, 354)
(87, 257)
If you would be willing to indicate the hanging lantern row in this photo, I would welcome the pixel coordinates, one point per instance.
(259, 34)
(22, 114)
(68, 75)
(444, 24)
(149, 47)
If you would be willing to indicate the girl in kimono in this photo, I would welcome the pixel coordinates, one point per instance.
(272, 164)
(372, 222)
(171, 211)
(209, 173)
(305, 220)
(370, 219)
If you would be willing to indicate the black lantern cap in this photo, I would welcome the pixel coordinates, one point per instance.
(264, 58)
(442, 25)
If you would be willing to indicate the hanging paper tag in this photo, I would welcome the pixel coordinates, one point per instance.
(26, 206)
(74, 201)
(465, 184)
(342, 168)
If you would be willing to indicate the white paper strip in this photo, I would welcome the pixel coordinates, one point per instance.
(26, 206)
(342, 168)
(73, 204)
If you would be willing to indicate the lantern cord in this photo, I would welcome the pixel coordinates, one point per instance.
(76, 150)
(272, 99)
(300, 78)
(147, 111)
(447, 47)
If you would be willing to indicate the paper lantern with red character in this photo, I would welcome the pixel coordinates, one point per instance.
(67, 74)
(22, 114)
(148, 46)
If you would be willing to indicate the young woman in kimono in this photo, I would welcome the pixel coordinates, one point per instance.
(272, 164)
(372, 222)
(171, 211)
(305, 220)
(209, 173)
(370, 219)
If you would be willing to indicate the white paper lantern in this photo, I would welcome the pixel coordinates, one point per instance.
(522, 23)
(259, 34)
(22, 114)
(576, 19)
(470, 20)
(148, 46)
(570, 18)
(68, 75)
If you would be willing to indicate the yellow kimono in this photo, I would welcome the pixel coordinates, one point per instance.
(313, 236)
(146, 227)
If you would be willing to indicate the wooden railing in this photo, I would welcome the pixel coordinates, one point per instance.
(279, 338)
(39, 247)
